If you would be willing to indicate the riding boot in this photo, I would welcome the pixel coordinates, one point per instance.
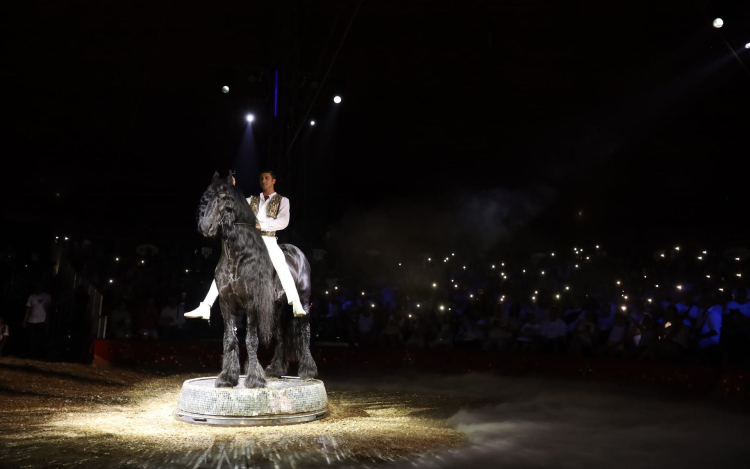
(204, 310)
(298, 309)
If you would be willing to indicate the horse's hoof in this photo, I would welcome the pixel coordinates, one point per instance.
(254, 382)
(222, 382)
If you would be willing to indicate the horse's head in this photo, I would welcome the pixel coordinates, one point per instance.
(217, 207)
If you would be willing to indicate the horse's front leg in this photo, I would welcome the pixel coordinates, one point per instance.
(256, 378)
(279, 363)
(230, 365)
(307, 367)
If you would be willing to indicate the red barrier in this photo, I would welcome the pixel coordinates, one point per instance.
(198, 355)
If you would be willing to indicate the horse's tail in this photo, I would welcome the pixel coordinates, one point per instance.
(264, 305)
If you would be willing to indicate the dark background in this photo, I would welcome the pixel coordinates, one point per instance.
(463, 123)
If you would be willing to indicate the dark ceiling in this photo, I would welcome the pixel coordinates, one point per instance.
(633, 110)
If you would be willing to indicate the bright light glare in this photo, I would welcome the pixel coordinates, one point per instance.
(747, 46)
(250, 117)
(225, 89)
(337, 99)
(312, 122)
(718, 23)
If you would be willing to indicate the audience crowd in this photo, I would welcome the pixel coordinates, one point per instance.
(680, 304)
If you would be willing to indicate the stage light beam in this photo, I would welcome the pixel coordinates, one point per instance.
(718, 23)
(337, 99)
(249, 117)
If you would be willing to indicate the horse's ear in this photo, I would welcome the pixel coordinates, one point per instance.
(216, 175)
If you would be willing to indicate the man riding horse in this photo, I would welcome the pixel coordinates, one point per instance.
(272, 211)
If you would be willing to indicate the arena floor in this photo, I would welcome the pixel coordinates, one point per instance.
(72, 415)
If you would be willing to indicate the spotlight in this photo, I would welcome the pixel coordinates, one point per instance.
(111, 281)
(337, 99)
(312, 122)
(225, 89)
(326, 292)
(718, 23)
(747, 46)
(117, 259)
(250, 117)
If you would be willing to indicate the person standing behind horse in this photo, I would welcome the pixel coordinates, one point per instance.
(36, 321)
(272, 212)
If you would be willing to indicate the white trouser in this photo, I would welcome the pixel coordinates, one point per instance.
(282, 269)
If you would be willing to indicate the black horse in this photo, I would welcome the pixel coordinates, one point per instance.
(248, 282)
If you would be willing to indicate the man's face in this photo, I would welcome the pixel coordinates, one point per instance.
(266, 182)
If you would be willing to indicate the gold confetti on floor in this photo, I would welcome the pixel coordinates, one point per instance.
(73, 415)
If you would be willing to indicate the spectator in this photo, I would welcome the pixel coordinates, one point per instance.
(585, 335)
(499, 336)
(468, 336)
(172, 320)
(553, 332)
(391, 335)
(416, 339)
(121, 322)
(4, 335)
(444, 338)
(618, 335)
(710, 331)
(365, 326)
(528, 335)
(36, 321)
(146, 320)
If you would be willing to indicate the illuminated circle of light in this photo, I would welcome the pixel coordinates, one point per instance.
(718, 23)
(249, 117)
(747, 46)
(337, 99)
(225, 89)
(312, 122)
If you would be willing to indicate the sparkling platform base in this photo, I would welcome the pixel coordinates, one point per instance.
(283, 401)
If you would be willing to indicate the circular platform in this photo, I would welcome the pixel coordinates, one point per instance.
(283, 401)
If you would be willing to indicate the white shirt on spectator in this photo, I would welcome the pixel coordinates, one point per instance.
(38, 302)
(711, 323)
(554, 329)
(366, 322)
(617, 334)
(272, 224)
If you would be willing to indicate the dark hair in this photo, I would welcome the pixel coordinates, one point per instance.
(273, 175)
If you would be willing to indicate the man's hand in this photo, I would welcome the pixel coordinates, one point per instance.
(233, 180)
